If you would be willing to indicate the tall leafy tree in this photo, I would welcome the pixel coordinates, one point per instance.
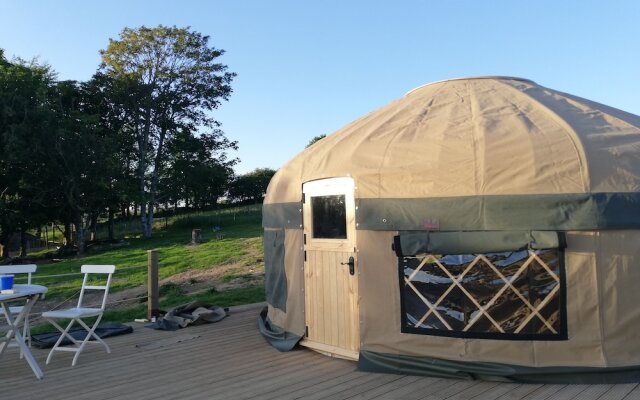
(83, 155)
(251, 186)
(199, 170)
(111, 101)
(25, 120)
(176, 79)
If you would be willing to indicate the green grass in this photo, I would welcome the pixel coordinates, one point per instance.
(175, 254)
(240, 247)
(227, 298)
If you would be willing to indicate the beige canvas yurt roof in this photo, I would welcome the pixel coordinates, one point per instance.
(446, 179)
(475, 137)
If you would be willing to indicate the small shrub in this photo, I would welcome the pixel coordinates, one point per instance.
(170, 289)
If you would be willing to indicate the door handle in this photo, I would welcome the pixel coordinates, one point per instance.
(352, 265)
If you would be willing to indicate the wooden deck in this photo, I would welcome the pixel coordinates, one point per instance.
(230, 360)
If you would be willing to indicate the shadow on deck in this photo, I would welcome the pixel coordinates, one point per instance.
(230, 360)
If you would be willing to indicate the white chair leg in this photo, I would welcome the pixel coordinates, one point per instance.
(90, 333)
(62, 336)
(26, 334)
(27, 330)
(93, 333)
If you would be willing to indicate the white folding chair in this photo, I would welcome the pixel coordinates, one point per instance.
(77, 313)
(15, 310)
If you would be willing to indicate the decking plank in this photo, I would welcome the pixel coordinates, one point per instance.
(618, 392)
(519, 392)
(451, 390)
(634, 394)
(230, 359)
(317, 382)
(473, 391)
(497, 391)
(381, 390)
(417, 390)
(568, 392)
(543, 392)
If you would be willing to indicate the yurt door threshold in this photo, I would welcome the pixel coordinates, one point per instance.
(331, 268)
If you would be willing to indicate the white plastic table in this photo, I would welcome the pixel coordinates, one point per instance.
(29, 294)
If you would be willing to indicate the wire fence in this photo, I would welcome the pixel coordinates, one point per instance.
(36, 277)
(36, 317)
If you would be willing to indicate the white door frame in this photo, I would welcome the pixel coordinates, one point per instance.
(331, 291)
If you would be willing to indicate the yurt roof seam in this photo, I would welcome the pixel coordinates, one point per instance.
(420, 117)
(476, 117)
(572, 133)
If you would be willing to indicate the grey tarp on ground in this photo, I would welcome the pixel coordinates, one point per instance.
(48, 339)
(186, 314)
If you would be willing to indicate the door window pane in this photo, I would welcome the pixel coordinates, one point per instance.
(329, 217)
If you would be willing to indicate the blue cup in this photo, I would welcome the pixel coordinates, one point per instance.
(6, 282)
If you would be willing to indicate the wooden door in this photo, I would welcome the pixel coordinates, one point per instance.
(330, 269)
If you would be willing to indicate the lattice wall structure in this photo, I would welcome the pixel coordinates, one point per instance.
(506, 277)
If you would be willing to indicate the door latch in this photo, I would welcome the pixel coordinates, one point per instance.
(352, 265)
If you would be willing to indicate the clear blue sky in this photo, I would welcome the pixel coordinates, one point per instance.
(307, 68)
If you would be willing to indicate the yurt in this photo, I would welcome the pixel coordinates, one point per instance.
(480, 228)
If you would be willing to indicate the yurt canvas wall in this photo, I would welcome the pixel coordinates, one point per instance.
(493, 225)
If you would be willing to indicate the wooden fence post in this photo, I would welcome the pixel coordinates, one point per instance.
(152, 284)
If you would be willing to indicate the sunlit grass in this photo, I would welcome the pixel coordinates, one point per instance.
(240, 227)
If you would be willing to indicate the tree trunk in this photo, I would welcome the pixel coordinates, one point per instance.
(111, 224)
(67, 234)
(150, 210)
(80, 233)
(93, 228)
(157, 166)
(3, 242)
(143, 141)
(144, 221)
(23, 242)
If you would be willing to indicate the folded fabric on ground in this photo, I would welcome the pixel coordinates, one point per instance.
(183, 315)
(48, 339)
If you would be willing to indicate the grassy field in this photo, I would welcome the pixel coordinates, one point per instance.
(226, 269)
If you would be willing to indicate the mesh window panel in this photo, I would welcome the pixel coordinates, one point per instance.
(511, 295)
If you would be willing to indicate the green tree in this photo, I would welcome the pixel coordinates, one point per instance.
(110, 101)
(198, 171)
(251, 186)
(25, 119)
(315, 139)
(176, 80)
(83, 157)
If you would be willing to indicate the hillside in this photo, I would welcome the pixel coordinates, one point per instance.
(226, 269)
